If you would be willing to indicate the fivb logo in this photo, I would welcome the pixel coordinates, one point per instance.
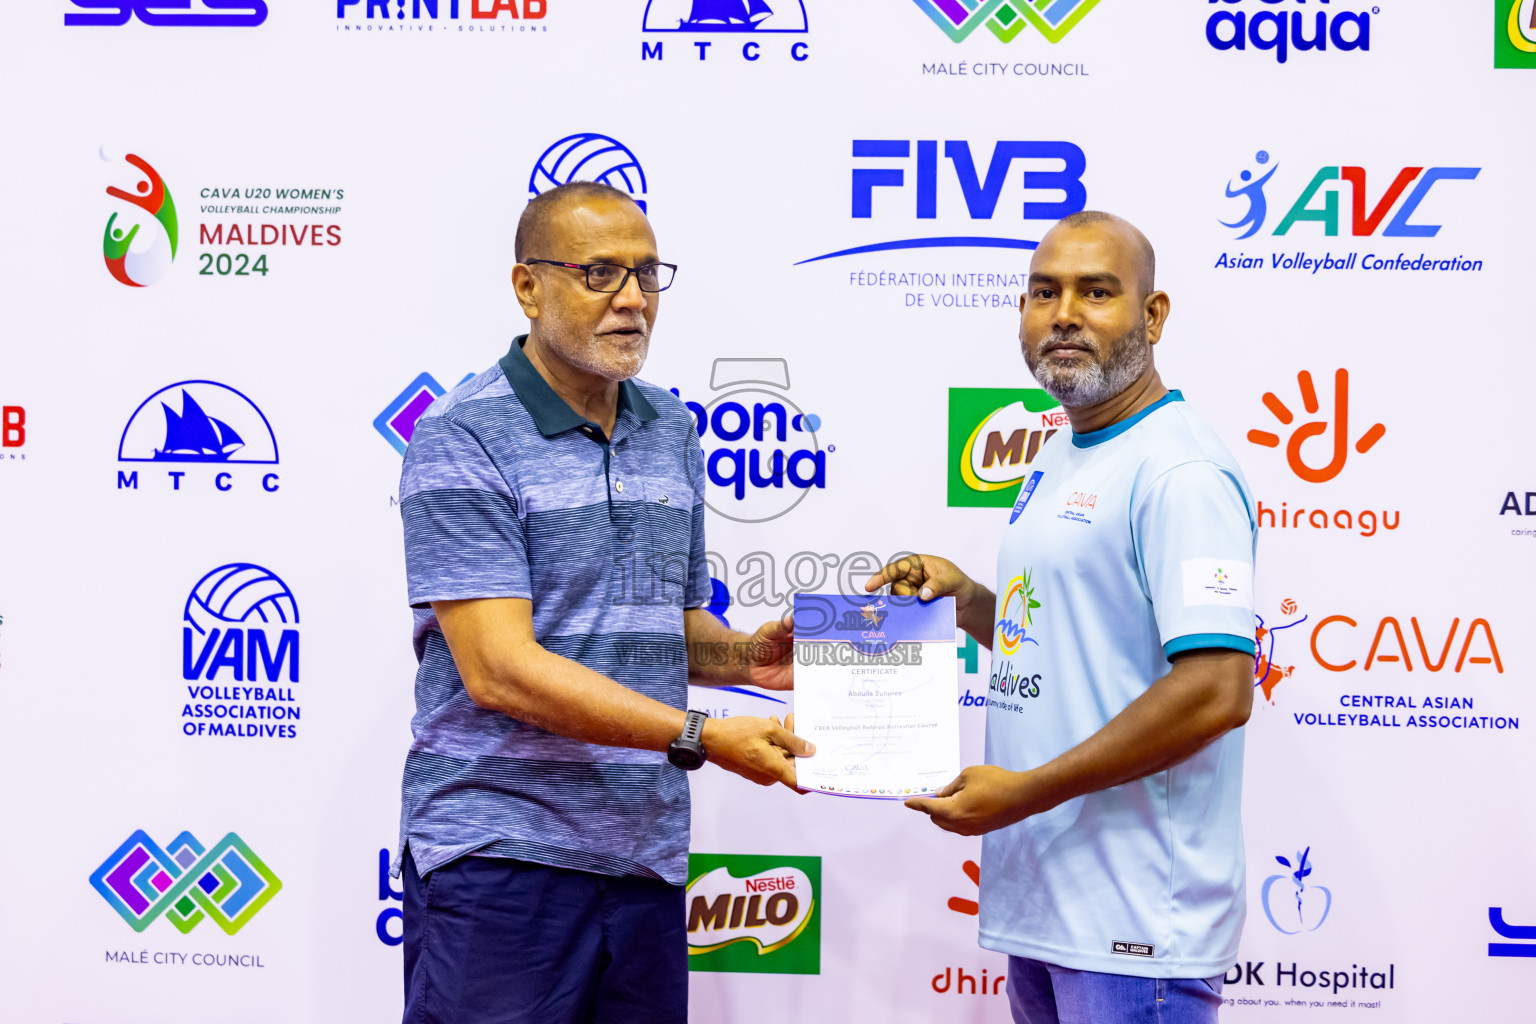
(753, 914)
(981, 193)
(1288, 29)
(241, 619)
(203, 424)
(1367, 212)
(588, 156)
(1005, 19)
(228, 884)
(171, 13)
(139, 250)
(760, 450)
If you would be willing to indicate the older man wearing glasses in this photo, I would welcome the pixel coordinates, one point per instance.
(554, 540)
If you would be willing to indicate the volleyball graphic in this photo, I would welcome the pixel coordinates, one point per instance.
(240, 592)
(589, 156)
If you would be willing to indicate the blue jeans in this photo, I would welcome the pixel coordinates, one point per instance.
(490, 940)
(1042, 993)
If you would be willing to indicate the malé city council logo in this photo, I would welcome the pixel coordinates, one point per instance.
(156, 233)
(588, 156)
(228, 883)
(1005, 19)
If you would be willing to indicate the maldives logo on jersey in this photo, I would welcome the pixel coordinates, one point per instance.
(186, 882)
(1017, 615)
(149, 219)
(1005, 19)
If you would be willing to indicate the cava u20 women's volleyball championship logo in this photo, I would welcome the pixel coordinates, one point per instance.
(1017, 615)
(146, 262)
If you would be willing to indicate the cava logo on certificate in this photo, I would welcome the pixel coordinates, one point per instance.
(875, 691)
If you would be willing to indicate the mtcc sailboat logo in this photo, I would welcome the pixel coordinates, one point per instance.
(186, 882)
(757, 25)
(139, 242)
(196, 423)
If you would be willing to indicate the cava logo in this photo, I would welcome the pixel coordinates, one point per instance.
(1514, 34)
(754, 914)
(994, 435)
(1268, 635)
(140, 239)
(1288, 29)
(754, 24)
(202, 432)
(1005, 19)
(185, 882)
(588, 156)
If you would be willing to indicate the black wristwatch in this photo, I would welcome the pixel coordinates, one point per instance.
(687, 751)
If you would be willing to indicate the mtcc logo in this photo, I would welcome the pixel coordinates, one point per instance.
(588, 156)
(1316, 428)
(1005, 19)
(213, 13)
(140, 247)
(1267, 25)
(199, 429)
(752, 23)
(1514, 34)
(1367, 213)
(1297, 907)
(760, 449)
(754, 914)
(231, 617)
(227, 883)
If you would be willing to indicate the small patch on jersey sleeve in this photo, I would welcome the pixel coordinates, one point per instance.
(1217, 581)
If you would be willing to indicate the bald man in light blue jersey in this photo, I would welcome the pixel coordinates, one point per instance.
(1121, 632)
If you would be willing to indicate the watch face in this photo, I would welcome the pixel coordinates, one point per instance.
(685, 757)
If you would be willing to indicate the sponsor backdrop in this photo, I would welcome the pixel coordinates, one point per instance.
(250, 241)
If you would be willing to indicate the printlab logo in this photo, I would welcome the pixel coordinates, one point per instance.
(197, 428)
(1525, 933)
(227, 884)
(13, 433)
(760, 450)
(754, 914)
(1316, 428)
(1368, 212)
(1267, 672)
(981, 193)
(1288, 29)
(588, 156)
(239, 645)
(994, 436)
(149, 219)
(397, 422)
(753, 23)
(438, 15)
(1005, 19)
(1514, 34)
(162, 13)
(1298, 907)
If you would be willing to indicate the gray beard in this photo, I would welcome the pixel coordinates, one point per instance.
(584, 351)
(1128, 359)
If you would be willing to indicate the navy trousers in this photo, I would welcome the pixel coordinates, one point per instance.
(490, 940)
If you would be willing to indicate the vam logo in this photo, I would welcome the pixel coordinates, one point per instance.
(752, 23)
(227, 883)
(1368, 212)
(149, 220)
(397, 422)
(242, 618)
(164, 13)
(1514, 34)
(760, 450)
(754, 914)
(1005, 19)
(1288, 29)
(994, 436)
(1298, 907)
(196, 428)
(588, 156)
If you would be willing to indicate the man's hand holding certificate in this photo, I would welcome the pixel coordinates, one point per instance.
(875, 692)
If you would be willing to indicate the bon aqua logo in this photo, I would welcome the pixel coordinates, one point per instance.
(185, 882)
(1283, 27)
(140, 248)
(1006, 19)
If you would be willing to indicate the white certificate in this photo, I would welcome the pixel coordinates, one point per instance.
(875, 692)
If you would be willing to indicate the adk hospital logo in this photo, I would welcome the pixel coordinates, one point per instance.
(1291, 903)
(754, 914)
(204, 435)
(746, 30)
(185, 882)
(1006, 19)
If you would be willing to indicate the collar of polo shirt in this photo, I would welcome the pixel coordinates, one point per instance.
(550, 412)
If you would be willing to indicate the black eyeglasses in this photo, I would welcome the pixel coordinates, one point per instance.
(612, 277)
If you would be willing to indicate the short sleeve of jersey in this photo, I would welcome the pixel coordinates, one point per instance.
(1194, 540)
(463, 537)
(700, 589)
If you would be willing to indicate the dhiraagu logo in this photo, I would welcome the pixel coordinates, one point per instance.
(994, 435)
(1017, 615)
(754, 914)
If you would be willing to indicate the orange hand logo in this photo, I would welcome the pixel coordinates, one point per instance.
(1316, 427)
(961, 905)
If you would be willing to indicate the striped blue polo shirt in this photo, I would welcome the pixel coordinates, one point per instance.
(508, 492)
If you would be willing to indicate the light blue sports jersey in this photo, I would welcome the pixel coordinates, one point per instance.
(1127, 545)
